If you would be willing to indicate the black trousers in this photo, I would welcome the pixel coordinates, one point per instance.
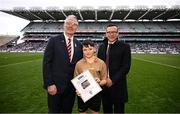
(109, 105)
(61, 102)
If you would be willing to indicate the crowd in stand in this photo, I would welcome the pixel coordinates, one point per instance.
(26, 47)
(91, 26)
(147, 48)
(155, 48)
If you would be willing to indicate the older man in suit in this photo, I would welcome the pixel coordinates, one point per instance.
(117, 56)
(60, 56)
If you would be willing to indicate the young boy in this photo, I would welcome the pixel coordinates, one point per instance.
(97, 67)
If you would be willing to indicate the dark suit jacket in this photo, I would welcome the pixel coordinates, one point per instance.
(119, 66)
(57, 68)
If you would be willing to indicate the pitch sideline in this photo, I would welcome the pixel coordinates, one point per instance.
(157, 63)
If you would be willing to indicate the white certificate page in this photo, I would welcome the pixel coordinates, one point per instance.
(86, 85)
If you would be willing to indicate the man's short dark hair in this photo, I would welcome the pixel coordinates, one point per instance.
(110, 25)
(86, 43)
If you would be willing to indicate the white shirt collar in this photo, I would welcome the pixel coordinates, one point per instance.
(66, 37)
(111, 42)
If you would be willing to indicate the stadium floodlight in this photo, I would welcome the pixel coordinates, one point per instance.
(19, 8)
(176, 7)
(52, 8)
(87, 8)
(141, 7)
(70, 8)
(159, 7)
(105, 8)
(122, 8)
(36, 8)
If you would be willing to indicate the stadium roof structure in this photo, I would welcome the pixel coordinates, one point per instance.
(104, 13)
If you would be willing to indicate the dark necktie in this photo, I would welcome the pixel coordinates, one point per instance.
(69, 48)
(107, 56)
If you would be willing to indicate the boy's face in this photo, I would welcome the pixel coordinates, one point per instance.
(88, 52)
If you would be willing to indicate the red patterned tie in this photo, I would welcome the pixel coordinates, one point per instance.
(69, 48)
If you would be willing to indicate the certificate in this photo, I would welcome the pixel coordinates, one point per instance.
(86, 85)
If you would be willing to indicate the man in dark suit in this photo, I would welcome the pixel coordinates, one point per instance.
(117, 56)
(60, 56)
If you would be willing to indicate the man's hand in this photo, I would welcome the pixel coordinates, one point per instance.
(108, 82)
(102, 82)
(52, 90)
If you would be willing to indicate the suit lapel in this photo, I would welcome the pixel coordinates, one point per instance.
(64, 47)
(104, 50)
(75, 50)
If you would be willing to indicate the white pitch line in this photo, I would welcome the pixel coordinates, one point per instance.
(157, 63)
(19, 63)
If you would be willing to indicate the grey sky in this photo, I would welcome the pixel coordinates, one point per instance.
(12, 25)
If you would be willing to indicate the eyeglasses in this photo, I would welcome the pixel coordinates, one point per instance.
(112, 32)
(71, 24)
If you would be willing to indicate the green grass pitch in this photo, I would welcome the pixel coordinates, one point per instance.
(153, 84)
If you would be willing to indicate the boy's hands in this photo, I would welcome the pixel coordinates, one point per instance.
(97, 80)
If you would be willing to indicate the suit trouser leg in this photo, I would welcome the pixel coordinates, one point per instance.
(119, 107)
(54, 104)
(68, 102)
(107, 101)
(61, 103)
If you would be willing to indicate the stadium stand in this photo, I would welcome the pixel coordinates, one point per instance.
(7, 41)
(147, 30)
(4, 39)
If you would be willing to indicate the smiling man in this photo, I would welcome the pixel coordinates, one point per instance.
(117, 56)
(60, 56)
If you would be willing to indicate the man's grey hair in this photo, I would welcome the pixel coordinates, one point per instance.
(72, 17)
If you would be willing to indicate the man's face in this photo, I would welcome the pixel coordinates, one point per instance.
(88, 51)
(112, 33)
(70, 26)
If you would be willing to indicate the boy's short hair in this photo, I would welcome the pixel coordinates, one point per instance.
(86, 43)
